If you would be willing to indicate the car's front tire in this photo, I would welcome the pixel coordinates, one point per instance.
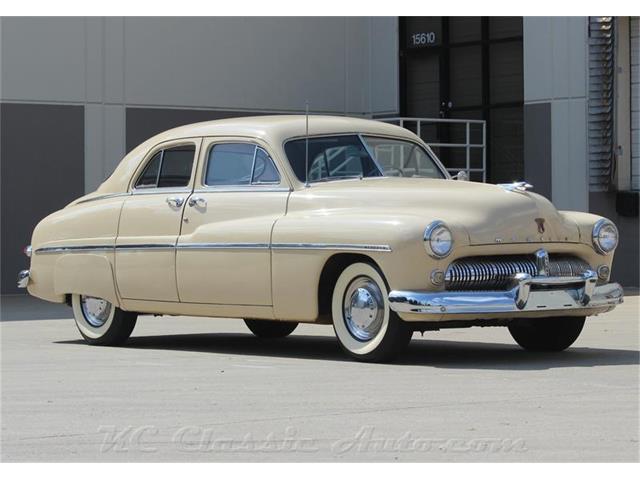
(100, 322)
(270, 328)
(546, 334)
(366, 328)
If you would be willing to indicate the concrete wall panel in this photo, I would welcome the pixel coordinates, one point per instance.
(42, 163)
(43, 59)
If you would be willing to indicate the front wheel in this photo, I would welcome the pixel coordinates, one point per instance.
(100, 322)
(547, 334)
(270, 328)
(366, 327)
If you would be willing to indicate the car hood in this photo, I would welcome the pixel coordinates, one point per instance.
(489, 213)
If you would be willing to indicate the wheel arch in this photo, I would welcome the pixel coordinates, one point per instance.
(331, 270)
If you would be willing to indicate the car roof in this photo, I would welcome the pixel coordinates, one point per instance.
(278, 128)
(272, 129)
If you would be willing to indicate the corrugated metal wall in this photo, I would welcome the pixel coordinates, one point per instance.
(601, 115)
(634, 27)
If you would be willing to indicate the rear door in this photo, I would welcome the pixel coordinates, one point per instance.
(223, 254)
(150, 222)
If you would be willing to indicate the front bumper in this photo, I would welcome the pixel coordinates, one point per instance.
(23, 278)
(528, 294)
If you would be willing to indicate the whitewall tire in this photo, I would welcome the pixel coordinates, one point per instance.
(100, 322)
(366, 327)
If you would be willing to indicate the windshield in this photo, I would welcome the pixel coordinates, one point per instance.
(345, 156)
(331, 158)
(401, 158)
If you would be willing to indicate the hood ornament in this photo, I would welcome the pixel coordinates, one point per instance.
(516, 186)
(540, 223)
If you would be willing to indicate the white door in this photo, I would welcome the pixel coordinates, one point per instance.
(223, 255)
(150, 223)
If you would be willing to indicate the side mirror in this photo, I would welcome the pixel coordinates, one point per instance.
(461, 176)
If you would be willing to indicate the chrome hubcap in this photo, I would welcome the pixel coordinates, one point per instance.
(95, 310)
(363, 309)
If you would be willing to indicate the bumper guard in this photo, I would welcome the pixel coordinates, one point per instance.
(23, 278)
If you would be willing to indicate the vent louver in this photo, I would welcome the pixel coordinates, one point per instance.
(601, 99)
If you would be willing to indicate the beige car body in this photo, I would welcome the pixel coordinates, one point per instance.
(260, 251)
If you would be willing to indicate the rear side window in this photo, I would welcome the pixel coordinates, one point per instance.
(168, 168)
(240, 164)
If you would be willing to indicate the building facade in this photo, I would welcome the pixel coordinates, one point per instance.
(78, 93)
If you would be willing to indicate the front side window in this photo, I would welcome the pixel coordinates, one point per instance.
(330, 158)
(401, 158)
(149, 177)
(170, 167)
(240, 164)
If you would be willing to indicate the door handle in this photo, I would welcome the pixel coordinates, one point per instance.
(175, 201)
(197, 202)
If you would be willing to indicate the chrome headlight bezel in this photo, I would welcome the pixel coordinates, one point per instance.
(595, 236)
(430, 233)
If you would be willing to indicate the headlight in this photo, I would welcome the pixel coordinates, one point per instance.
(438, 239)
(605, 236)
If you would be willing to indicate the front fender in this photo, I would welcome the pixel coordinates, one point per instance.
(303, 243)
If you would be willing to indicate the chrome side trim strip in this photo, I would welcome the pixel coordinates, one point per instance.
(222, 246)
(146, 246)
(74, 248)
(350, 247)
(103, 197)
(104, 248)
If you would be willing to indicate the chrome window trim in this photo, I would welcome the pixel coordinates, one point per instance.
(161, 190)
(250, 185)
(241, 188)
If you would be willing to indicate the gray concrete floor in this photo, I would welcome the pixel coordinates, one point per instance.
(190, 389)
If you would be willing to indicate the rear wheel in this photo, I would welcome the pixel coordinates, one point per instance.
(100, 322)
(366, 327)
(547, 334)
(270, 328)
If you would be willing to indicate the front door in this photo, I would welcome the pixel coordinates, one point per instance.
(223, 253)
(150, 223)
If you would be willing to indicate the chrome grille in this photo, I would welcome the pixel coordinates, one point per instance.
(495, 273)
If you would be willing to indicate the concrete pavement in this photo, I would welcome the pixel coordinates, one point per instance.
(190, 389)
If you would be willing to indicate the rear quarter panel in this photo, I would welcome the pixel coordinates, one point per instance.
(55, 274)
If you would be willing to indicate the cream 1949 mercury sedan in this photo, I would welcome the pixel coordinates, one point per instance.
(344, 221)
